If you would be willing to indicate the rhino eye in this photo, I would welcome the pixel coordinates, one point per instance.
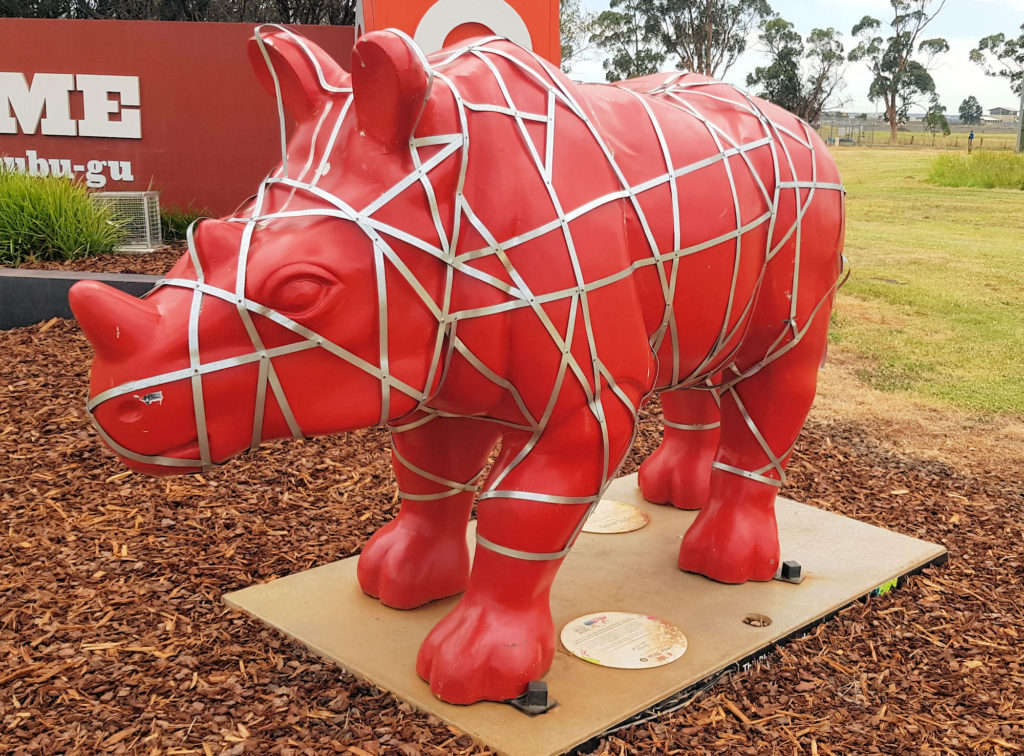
(300, 293)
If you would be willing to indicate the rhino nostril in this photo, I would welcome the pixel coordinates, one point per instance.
(129, 410)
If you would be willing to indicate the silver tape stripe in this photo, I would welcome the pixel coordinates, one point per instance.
(494, 378)
(406, 496)
(443, 241)
(549, 140)
(775, 462)
(534, 496)
(250, 327)
(382, 333)
(261, 400)
(301, 42)
(691, 426)
(183, 373)
(479, 107)
(747, 474)
(198, 405)
(425, 64)
(526, 556)
(312, 144)
(428, 417)
(456, 486)
(811, 185)
(324, 166)
(283, 130)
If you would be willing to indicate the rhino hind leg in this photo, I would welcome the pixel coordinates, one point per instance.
(735, 537)
(679, 470)
(422, 554)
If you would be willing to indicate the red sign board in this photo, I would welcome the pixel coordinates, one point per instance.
(438, 23)
(135, 105)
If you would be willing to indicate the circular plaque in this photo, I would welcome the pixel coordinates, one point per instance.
(615, 517)
(623, 640)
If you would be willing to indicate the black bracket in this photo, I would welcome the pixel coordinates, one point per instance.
(535, 700)
(790, 572)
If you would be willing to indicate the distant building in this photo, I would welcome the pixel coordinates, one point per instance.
(1004, 115)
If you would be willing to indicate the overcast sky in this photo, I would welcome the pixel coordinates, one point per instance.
(961, 22)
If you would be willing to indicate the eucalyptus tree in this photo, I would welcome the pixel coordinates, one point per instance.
(935, 119)
(970, 110)
(803, 76)
(1004, 57)
(705, 36)
(899, 62)
(576, 25)
(625, 34)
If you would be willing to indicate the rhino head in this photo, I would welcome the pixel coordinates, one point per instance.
(317, 307)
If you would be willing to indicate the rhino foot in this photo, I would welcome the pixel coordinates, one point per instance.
(408, 563)
(733, 541)
(670, 476)
(486, 652)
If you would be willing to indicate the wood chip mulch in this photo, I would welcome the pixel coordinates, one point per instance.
(114, 637)
(155, 263)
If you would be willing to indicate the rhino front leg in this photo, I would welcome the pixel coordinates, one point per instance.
(500, 636)
(422, 555)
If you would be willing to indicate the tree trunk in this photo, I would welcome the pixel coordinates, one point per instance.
(1020, 120)
(894, 121)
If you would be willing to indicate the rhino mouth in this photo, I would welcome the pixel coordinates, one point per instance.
(182, 458)
(188, 451)
(178, 460)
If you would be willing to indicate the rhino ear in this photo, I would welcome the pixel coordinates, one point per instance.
(390, 85)
(305, 75)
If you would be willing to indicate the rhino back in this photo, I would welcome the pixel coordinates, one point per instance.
(708, 168)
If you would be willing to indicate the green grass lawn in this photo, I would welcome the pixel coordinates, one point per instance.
(935, 303)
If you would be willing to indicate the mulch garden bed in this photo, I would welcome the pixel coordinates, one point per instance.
(114, 637)
(153, 263)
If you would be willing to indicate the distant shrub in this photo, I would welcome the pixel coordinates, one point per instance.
(51, 218)
(174, 221)
(987, 170)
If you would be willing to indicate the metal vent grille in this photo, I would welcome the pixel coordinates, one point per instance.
(141, 212)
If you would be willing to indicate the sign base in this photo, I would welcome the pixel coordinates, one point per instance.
(842, 560)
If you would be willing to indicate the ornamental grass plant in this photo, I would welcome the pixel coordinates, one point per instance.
(51, 218)
(982, 169)
(175, 220)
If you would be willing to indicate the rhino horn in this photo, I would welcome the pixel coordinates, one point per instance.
(116, 324)
(305, 75)
(390, 85)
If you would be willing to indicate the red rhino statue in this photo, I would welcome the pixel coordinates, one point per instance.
(469, 248)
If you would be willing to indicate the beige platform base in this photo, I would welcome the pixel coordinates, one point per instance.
(843, 560)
